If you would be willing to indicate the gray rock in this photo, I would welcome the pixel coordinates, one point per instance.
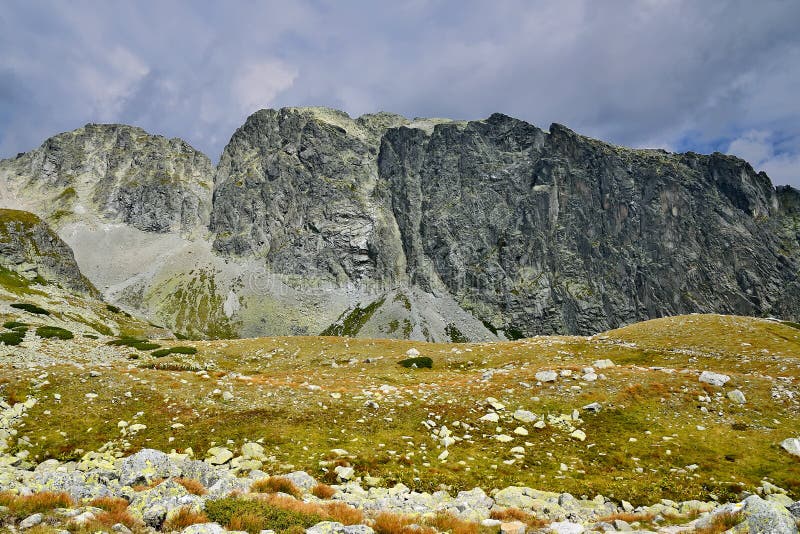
(566, 527)
(546, 376)
(204, 528)
(302, 480)
(737, 396)
(594, 407)
(791, 445)
(146, 466)
(218, 455)
(30, 521)
(715, 379)
(524, 416)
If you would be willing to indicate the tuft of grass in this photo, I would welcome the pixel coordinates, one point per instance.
(23, 506)
(721, 522)
(420, 362)
(515, 514)
(151, 485)
(48, 332)
(115, 510)
(255, 515)
(445, 522)
(184, 517)
(276, 484)
(11, 325)
(323, 491)
(193, 486)
(389, 523)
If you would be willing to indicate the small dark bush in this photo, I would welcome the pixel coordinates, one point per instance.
(11, 325)
(11, 339)
(112, 308)
(160, 353)
(418, 362)
(90, 336)
(135, 343)
(53, 331)
(30, 308)
(256, 515)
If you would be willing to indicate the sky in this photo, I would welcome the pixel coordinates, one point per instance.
(680, 75)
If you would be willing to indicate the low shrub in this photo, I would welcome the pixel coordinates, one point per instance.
(134, 343)
(515, 514)
(720, 523)
(112, 308)
(48, 332)
(419, 362)
(253, 515)
(115, 510)
(11, 325)
(276, 485)
(30, 308)
(160, 353)
(11, 339)
(389, 523)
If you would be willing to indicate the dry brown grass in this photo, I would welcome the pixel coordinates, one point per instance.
(115, 510)
(323, 491)
(184, 517)
(23, 506)
(389, 523)
(721, 523)
(515, 514)
(195, 487)
(445, 522)
(275, 485)
(151, 485)
(343, 513)
(333, 511)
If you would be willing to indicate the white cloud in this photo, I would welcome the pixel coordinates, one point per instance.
(258, 83)
(758, 149)
(106, 83)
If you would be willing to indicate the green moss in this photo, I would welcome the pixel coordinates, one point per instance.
(261, 515)
(407, 328)
(30, 308)
(90, 336)
(455, 334)
(394, 324)
(403, 298)
(420, 362)
(53, 331)
(13, 324)
(354, 321)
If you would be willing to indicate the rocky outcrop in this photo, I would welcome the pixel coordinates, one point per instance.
(119, 173)
(31, 249)
(427, 228)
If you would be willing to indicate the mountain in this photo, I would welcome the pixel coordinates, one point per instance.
(381, 226)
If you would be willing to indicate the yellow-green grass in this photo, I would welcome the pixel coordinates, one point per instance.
(299, 425)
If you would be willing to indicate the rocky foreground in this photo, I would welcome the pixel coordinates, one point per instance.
(152, 491)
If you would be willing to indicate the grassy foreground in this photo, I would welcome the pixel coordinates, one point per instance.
(656, 436)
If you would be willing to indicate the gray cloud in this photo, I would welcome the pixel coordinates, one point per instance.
(680, 74)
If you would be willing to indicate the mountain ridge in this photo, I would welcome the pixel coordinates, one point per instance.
(488, 229)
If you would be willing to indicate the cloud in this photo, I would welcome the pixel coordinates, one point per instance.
(758, 148)
(668, 73)
(258, 83)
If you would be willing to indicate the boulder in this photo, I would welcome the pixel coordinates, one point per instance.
(791, 445)
(145, 466)
(715, 379)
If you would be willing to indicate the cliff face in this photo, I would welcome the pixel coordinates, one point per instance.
(28, 247)
(427, 228)
(554, 232)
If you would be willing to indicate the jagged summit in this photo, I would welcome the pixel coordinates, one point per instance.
(434, 229)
